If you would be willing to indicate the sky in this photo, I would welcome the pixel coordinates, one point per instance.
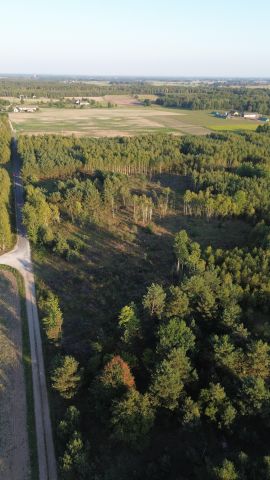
(218, 38)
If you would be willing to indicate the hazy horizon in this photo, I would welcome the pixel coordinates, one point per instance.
(125, 38)
(97, 77)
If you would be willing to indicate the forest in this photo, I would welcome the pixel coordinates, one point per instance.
(152, 259)
(224, 98)
(5, 190)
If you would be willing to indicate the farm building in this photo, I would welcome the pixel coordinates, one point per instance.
(24, 109)
(221, 115)
(251, 115)
(81, 102)
(230, 114)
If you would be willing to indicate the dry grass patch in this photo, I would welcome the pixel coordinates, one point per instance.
(14, 449)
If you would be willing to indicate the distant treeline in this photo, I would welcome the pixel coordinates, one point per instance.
(199, 97)
(208, 98)
(60, 89)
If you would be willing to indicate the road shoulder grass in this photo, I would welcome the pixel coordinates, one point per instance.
(26, 355)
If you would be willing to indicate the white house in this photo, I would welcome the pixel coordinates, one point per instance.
(234, 113)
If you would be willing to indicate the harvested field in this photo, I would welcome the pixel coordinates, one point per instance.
(14, 450)
(120, 121)
(125, 120)
(122, 99)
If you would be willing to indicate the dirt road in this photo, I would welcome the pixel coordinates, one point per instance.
(20, 258)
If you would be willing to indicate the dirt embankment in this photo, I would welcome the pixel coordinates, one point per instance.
(14, 449)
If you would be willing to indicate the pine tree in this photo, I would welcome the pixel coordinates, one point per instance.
(65, 377)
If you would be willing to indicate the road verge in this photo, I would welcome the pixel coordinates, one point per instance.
(26, 355)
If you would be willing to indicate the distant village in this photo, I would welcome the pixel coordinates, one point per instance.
(66, 102)
(247, 115)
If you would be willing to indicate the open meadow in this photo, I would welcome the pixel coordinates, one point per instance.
(124, 120)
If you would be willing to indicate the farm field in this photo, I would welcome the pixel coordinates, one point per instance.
(124, 121)
(120, 121)
(14, 452)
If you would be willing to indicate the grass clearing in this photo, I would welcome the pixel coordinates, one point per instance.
(119, 255)
(236, 127)
(206, 119)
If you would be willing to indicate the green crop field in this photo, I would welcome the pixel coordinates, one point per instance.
(123, 121)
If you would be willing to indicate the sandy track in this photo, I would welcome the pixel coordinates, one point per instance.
(14, 449)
